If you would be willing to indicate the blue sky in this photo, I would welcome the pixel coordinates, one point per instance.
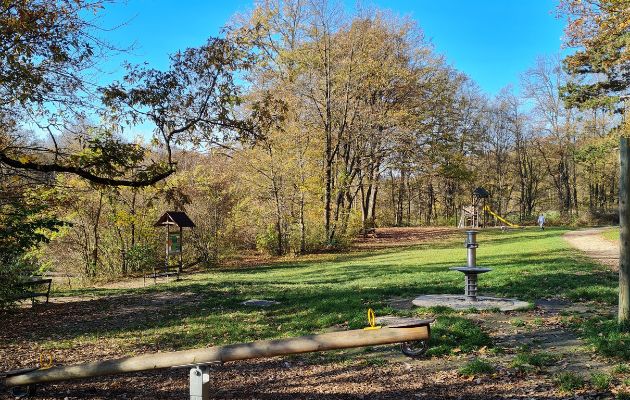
(493, 41)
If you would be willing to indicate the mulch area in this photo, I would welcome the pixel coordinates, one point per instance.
(390, 376)
(280, 379)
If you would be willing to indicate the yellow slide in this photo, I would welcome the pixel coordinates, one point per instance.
(500, 218)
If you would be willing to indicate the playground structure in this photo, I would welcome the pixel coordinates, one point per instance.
(470, 299)
(476, 215)
(470, 216)
(499, 218)
(413, 336)
(471, 270)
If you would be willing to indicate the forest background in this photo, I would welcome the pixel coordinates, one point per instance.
(300, 128)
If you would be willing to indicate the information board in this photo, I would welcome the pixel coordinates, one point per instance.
(174, 243)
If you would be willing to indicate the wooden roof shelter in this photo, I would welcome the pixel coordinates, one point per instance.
(178, 218)
(174, 240)
(481, 193)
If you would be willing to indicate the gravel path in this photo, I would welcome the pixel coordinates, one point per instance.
(591, 242)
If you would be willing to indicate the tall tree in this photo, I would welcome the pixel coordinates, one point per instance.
(558, 123)
(600, 29)
(47, 50)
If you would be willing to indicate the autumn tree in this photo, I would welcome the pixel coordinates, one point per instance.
(600, 30)
(558, 127)
(47, 51)
(57, 119)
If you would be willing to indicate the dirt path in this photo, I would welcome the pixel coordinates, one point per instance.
(591, 242)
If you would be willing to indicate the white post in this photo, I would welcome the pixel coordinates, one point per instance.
(200, 383)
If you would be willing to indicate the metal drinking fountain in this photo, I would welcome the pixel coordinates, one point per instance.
(471, 271)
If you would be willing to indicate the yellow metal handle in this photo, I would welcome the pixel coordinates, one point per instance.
(42, 358)
(371, 320)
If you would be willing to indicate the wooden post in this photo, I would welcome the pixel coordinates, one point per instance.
(168, 238)
(181, 251)
(624, 222)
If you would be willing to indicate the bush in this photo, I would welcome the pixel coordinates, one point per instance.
(568, 381)
(267, 241)
(141, 258)
(22, 227)
(10, 275)
(601, 381)
(476, 367)
(554, 218)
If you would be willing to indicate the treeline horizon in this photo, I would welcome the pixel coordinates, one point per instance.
(338, 123)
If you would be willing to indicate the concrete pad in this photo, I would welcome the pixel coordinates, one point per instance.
(460, 302)
(259, 303)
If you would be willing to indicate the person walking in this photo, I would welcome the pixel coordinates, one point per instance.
(541, 221)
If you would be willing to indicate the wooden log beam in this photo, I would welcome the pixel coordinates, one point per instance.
(234, 352)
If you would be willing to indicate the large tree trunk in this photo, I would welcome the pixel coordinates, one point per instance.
(400, 199)
(302, 224)
(96, 233)
(624, 238)
(133, 217)
(430, 203)
(328, 150)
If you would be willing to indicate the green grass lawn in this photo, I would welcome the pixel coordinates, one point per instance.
(611, 234)
(323, 291)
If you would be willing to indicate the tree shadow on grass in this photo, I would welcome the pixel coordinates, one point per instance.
(306, 306)
(196, 312)
(493, 238)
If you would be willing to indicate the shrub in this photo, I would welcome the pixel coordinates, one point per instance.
(600, 381)
(267, 241)
(568, 381)
(451, 332)
(10, 274)
(476, 367)
(22, 227)
(141, 258)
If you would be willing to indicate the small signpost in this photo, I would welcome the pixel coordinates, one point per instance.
(174, 221)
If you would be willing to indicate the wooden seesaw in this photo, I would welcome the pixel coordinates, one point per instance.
(412, 334)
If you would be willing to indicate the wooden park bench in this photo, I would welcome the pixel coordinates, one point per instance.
(33, 287)
(162, 273)
(368, 232)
